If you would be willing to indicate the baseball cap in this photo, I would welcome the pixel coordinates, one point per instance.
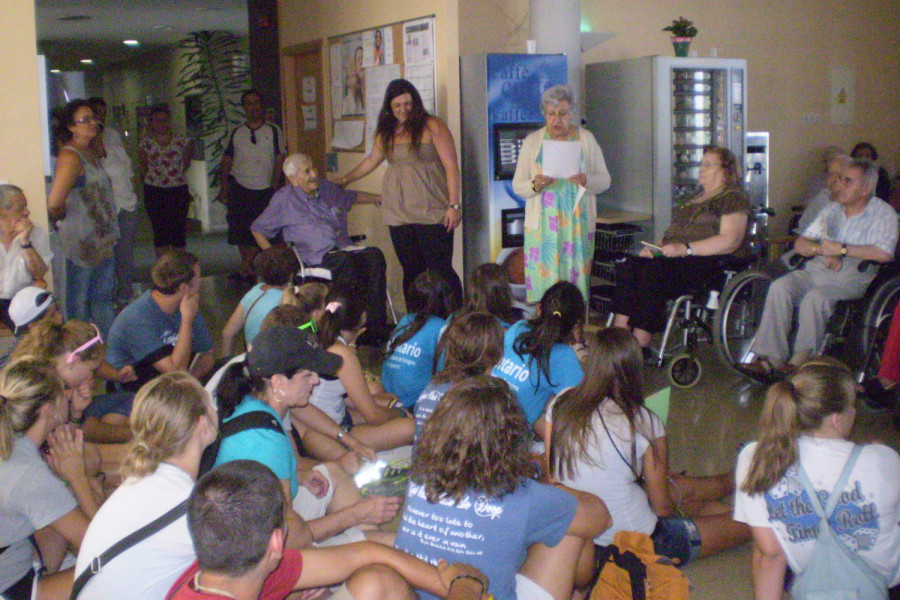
(28, 305)
(286, 350)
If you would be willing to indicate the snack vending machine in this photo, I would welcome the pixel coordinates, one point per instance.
(501, 95)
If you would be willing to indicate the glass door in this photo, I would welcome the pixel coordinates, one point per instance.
(698, 119)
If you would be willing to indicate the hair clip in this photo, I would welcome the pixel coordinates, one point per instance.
(557, 314)
(332, 307)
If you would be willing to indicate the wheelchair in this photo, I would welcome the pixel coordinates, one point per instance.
(856, 331)
(694, 317)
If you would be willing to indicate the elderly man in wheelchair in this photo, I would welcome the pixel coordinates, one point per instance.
(850, 232)
(311, 215)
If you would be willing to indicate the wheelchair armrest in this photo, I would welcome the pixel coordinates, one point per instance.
(866, 265)
(796, 261)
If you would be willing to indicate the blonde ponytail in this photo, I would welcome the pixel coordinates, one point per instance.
(800, 404)
(163, 417)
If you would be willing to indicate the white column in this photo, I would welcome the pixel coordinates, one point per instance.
(556, 26)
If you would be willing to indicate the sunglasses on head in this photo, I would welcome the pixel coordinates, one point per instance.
(310, 325)
(97, 339)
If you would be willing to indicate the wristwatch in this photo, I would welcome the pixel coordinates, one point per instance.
(455, 206)
(843, 249)
(689, 251)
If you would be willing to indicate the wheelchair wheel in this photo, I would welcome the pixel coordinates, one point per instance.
(876, 323)
(740, 312)
(685, 370)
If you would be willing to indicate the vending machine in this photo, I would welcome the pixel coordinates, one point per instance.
(652, 116)
(501, 95)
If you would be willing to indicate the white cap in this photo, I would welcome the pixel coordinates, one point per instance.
(28, 305)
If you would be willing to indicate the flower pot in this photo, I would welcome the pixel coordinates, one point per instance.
(682, 45)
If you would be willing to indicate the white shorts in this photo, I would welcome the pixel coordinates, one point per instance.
(526, 589)
(311, 508)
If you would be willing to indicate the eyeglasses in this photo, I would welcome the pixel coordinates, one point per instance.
(97, 339)
(85, 120)
(311, 326)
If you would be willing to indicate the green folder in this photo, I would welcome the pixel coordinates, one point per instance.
(659, 403)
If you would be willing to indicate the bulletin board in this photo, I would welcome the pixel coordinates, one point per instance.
(362, 64)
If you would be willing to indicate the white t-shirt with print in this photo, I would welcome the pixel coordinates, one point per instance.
(865, 520)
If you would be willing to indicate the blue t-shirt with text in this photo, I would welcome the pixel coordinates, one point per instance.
(489, 533)
(408, 369)
(527, 381)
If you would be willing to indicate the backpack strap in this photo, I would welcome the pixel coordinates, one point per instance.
(125, 543)
(256, 419)
(629, 561)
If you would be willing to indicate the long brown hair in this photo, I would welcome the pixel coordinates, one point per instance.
(800, 404)
(613, 371)
(487, 290)
(473, 344)
(477, 439)
(387, 122)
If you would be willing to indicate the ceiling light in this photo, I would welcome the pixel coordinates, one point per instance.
(131, 43)
(87, 61)
(54, 70)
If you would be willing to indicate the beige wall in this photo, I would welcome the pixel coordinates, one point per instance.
(790, 47)
(21, 157)
(303, 21)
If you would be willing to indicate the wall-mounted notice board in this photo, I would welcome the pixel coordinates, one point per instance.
(361, 66)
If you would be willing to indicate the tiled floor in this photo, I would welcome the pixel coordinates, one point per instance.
(707, 424)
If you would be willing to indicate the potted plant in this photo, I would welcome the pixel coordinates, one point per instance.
(683, 31)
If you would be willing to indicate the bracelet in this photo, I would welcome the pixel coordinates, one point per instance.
(466, 576)
(78, 421)
(27, 246)
(340, 435)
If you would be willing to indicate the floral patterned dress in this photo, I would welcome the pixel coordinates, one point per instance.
(561, 247)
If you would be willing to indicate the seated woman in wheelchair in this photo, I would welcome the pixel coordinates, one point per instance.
(703, 229)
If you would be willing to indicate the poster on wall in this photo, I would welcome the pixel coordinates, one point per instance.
(842, 80)
(354, 77)
(337, 80)
(377, 80)
(418, 55)
(378, 47)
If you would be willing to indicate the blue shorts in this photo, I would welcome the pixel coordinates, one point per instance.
(116, 403)
(676, 538)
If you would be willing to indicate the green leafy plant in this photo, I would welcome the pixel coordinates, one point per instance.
(214, 74)
(682, 28)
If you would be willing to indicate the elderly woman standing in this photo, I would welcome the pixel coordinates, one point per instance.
(82, 206)
(24, 249)
(560, 214)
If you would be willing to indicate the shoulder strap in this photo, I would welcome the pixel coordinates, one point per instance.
(274, 139)
(825, 513)
(124, 544)
(256, 419)
(637, 476)
(262, 293)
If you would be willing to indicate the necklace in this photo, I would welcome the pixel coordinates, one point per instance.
(209, 590)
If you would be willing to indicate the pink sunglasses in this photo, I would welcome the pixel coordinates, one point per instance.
(97, 339)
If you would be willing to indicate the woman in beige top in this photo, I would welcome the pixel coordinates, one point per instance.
(420, 189)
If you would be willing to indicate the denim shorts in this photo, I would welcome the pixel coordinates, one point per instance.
(676, 538)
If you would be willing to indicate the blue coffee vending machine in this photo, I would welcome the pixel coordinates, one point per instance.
(501, 95)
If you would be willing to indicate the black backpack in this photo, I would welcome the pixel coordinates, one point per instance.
(257, 419)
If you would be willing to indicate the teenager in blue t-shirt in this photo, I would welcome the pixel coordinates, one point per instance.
(411, 351)
(537, 363)
(470, 499)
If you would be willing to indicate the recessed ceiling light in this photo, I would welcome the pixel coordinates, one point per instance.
(87, 61)
(54, 70)
(131, 43)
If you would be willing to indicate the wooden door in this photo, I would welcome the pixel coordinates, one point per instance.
(303, 76)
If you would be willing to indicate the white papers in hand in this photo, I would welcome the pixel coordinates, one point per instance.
(561, 160)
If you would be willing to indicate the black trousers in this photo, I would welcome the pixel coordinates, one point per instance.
(644, 285)
(167, 208)
(422, 247)
(363, 270)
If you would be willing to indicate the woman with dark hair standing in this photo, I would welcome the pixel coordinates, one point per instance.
(604, 441)
(82, 206)
(803, 435)
(470, 495)
(420, 189)
(164, 159)
(537, 363)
